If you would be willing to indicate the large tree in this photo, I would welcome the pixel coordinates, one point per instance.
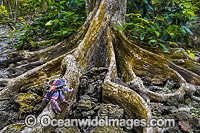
(98, 44)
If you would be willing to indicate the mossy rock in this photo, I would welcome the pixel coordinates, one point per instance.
(105, 129)
(86, 105)
(71, 129)
(27, 103)
(110, 110)
(15, 128)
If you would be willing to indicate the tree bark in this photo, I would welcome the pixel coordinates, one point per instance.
(98, 44)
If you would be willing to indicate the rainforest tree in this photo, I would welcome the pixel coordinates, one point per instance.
(98, 43)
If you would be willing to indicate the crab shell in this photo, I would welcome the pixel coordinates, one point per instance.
(57, 82)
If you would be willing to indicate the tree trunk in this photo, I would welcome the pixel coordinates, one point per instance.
(98, 44)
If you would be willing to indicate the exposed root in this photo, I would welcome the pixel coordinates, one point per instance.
(132, 103)
(71, 76)
(7, 62)
(137, 84)
(156, 63)
(16, 83)
(195, 98)
(4, 80)
(30, 65)
(121, 55)
(181, 75)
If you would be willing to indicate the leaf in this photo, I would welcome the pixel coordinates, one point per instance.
(192, 55)
(144, 20)
(188, 30)
(163, 47)
(127, 24)
(32, 43)
(135, 37)
(191, 13)
(152, 41)
(37, 27)
(64, 32)
(142, 35)
(49, 23)
(62, 2)
(150, 29)
(175, 53)
(171, 34)
(157, 33)
(169, 21)
(173, 43)
(121, 29)
(133, 14)
(59, 15)
(21, 42)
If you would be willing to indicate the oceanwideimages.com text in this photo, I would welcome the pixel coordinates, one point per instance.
(46, 120)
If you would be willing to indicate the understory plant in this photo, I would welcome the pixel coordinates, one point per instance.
(61, 19)
(160, 22)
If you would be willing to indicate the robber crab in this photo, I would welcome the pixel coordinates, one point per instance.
(54, 91)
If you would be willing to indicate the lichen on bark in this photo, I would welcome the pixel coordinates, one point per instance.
(98, 44)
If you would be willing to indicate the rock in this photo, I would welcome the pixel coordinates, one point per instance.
(83, 82)
(156, 88)
(185, 126)
(27, 103)
(156, 108)
(91, 84)
(190, 89)
(168, 109)
(105, 129)
(96, 71)
(172, 102)
(8, 112)
(4, 119)
(67, 130)
(110, 110)
(102, 76)
(16, 128)
(9, 105)
(86, 97)
(183, 116)
(77, 114)
(38, 108)
(188, 101)
(85, 105)
(91, 80)
(91, 88)
(87, 113)
(169, 85)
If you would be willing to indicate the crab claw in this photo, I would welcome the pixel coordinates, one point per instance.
(55, 105)
(44, 101)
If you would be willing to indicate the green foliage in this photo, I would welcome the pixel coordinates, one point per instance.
(4, 14)
(61, 20)
(192, 53)
(160, 22)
